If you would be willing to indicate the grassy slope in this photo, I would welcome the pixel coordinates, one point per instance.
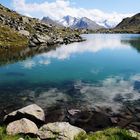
(4, 136)
(9, 37)
(109, 134)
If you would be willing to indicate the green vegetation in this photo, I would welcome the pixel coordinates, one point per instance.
(4, 136)
(11, 38)
(108, 134)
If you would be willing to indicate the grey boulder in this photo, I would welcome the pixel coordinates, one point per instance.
(32, 112)
(60, 131)
(23, 126)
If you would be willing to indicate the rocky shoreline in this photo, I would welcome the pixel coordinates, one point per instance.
(36, 32)
(32, 120)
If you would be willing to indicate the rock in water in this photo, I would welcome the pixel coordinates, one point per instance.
(32, 112)
(60, 131)
(23, 126)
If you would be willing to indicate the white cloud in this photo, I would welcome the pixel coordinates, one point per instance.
(60, 8)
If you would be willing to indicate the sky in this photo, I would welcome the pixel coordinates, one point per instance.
(98, 10)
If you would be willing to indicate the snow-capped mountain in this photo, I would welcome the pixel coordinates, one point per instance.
(86, 23)
(108, 24)
(79, 23)
(68, 21)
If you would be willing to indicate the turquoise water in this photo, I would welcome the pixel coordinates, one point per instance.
(104, 70)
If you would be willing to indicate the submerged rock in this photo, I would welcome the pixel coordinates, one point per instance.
(32, 112)
(60, 131)
(23, 126)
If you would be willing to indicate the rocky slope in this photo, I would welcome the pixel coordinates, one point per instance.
(130, 24)
(32, 31)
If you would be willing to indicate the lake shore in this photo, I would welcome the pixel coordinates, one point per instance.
(34, 117)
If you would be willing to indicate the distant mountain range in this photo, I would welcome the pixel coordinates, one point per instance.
(130, 24)
(127, 25)
(50, 21)
(75, 23)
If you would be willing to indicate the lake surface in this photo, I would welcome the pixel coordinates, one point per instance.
(102, 71)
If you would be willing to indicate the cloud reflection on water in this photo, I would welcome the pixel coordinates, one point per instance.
(94, 44)
(111, 92)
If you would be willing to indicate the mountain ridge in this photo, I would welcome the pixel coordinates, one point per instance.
(76, 23)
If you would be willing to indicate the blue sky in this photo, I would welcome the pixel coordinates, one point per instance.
(110, 11)
(123, 6)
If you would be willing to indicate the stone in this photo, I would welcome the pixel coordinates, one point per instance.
(32, 112)
(23, 126)
(43, 38)
(24, 32)
(60, 131)
(59, 40)
(21, 139)
(25, 20)
(135, 134)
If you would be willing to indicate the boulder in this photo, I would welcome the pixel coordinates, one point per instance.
(42, 38)
(60, 131)
(59, 41)
(32, 112)
(23, 126)
(135, 134)
(24, 32)
(25, 20)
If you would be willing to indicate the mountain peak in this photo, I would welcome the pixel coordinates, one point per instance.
(48, 20)
(68, 21)
(79, 23)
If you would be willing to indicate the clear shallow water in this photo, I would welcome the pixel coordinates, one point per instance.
(104, 70)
